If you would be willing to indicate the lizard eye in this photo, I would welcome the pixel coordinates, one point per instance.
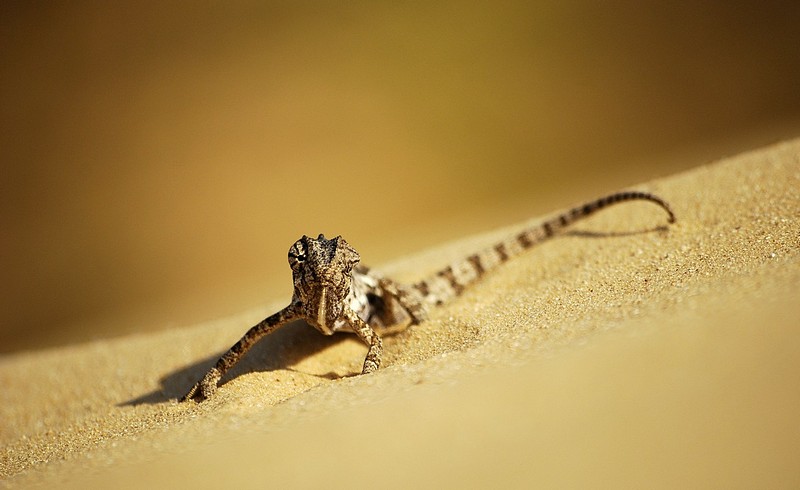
(297, 254)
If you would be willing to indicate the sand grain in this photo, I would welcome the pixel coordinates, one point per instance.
(606, 357)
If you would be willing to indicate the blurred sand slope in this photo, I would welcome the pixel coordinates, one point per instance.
(158, 161)
(607, 357)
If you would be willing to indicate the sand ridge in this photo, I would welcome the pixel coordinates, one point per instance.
(691, 325)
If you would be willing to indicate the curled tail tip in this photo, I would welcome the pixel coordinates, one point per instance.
(670, 214)
(661, 202)
(671, 219)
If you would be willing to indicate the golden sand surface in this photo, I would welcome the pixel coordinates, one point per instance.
(621, 354)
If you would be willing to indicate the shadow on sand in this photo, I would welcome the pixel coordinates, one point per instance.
(279, 350)
(289, 345)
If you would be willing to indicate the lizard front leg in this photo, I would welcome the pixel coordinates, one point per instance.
(208, 384)
(373, 360)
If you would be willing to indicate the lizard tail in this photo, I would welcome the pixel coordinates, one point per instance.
(454, 279)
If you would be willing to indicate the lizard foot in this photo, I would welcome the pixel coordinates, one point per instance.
(205, 387)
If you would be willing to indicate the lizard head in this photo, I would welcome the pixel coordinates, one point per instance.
(322, 271)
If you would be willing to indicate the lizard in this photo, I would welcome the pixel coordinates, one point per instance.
(334, 292)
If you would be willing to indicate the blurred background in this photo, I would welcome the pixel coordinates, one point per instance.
(158, 159)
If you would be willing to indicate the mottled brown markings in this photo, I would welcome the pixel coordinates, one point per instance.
(475, 260)
(328, 269)
(423, 288)
(500, 248)
(448, 274)
(524, 240)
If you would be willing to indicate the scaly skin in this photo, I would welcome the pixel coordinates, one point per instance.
(333, 293)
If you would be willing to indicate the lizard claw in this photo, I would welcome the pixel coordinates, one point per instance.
(205, 387)
(370, 366)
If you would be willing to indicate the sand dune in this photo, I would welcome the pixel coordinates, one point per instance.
(617, 354)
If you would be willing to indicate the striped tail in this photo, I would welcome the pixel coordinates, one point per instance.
(454, 279)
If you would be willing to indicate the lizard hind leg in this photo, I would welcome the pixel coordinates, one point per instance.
(404, 303)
